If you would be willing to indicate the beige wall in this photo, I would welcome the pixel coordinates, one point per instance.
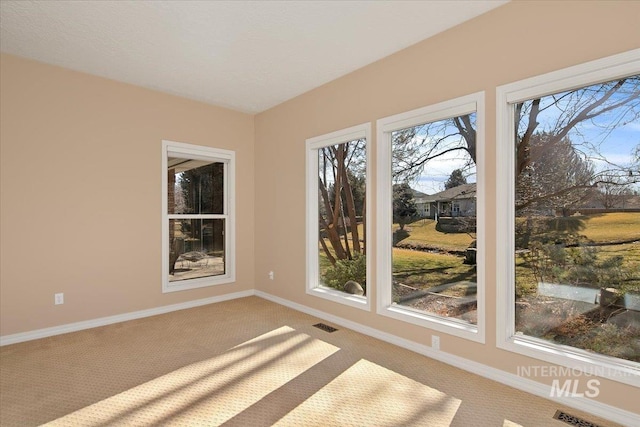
(81, 193)
(516, 41)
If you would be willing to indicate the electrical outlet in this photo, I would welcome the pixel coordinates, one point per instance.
(435, 342)
(58, 299)
(271, 276)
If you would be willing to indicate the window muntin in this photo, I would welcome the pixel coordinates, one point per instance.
(337, 228)
(418, 151)
(564, 140)
(198, 229)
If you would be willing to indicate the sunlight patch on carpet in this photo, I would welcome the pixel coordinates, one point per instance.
(369, 394)
(212, 391)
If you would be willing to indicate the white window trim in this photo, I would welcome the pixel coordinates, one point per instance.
(353, 133)
(473, 103)
(185, 150)
(507, 96)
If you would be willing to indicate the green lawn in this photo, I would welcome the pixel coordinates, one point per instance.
(603, 228)
(608, 227)
(423, 233)
(424, 269)
(612, 227)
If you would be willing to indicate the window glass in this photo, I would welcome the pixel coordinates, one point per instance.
(434, 218)
(197, 248)
(577, 218)
(341, 188)
(198, 186)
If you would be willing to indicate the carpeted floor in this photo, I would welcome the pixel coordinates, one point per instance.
(247, 362)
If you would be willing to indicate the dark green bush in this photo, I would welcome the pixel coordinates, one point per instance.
(347, 269)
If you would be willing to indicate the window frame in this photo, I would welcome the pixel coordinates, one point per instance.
(312, 145)
(473, 103)
(605, 69)
(198, 152)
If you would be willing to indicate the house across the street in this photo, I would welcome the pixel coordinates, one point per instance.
(454, 202)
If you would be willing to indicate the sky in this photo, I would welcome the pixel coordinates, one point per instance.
(595, 139)
(617, 146)
(437, 171)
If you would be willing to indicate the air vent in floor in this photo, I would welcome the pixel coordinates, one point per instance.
(572, 420)
(324, 327)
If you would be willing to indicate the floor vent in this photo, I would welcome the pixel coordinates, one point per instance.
(324, 327)
(572, 420)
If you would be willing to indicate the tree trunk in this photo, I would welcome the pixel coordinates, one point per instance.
(351, 210)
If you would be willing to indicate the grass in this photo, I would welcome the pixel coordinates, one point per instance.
(423, 233)
(611, 227)
(424, 269)
(602, 228)
(420, 269)
(629, 251)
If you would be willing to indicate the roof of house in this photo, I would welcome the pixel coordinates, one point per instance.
(418, 194)
(461, 192)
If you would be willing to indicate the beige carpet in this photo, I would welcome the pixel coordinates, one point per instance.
(247, 362)
(382, 397)
(211, 391)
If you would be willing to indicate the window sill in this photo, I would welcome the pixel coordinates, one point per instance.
(579, 362)
(184, 285)
(449, 326)
(357, 301)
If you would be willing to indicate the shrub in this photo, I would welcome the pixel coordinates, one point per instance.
(347, 269)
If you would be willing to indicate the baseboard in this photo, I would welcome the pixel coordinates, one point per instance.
(103, 321)
(596, 408)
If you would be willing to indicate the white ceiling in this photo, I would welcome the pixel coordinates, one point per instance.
(244, 55)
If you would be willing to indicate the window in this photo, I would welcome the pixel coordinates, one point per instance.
(337, 206)
(198, 220)
(569, 198)
(430, 260)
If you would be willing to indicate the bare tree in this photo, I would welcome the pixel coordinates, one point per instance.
(547, 123)
(414, 147)
(555, 175)
(339, 166)
(613, 194)
(556, 156)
